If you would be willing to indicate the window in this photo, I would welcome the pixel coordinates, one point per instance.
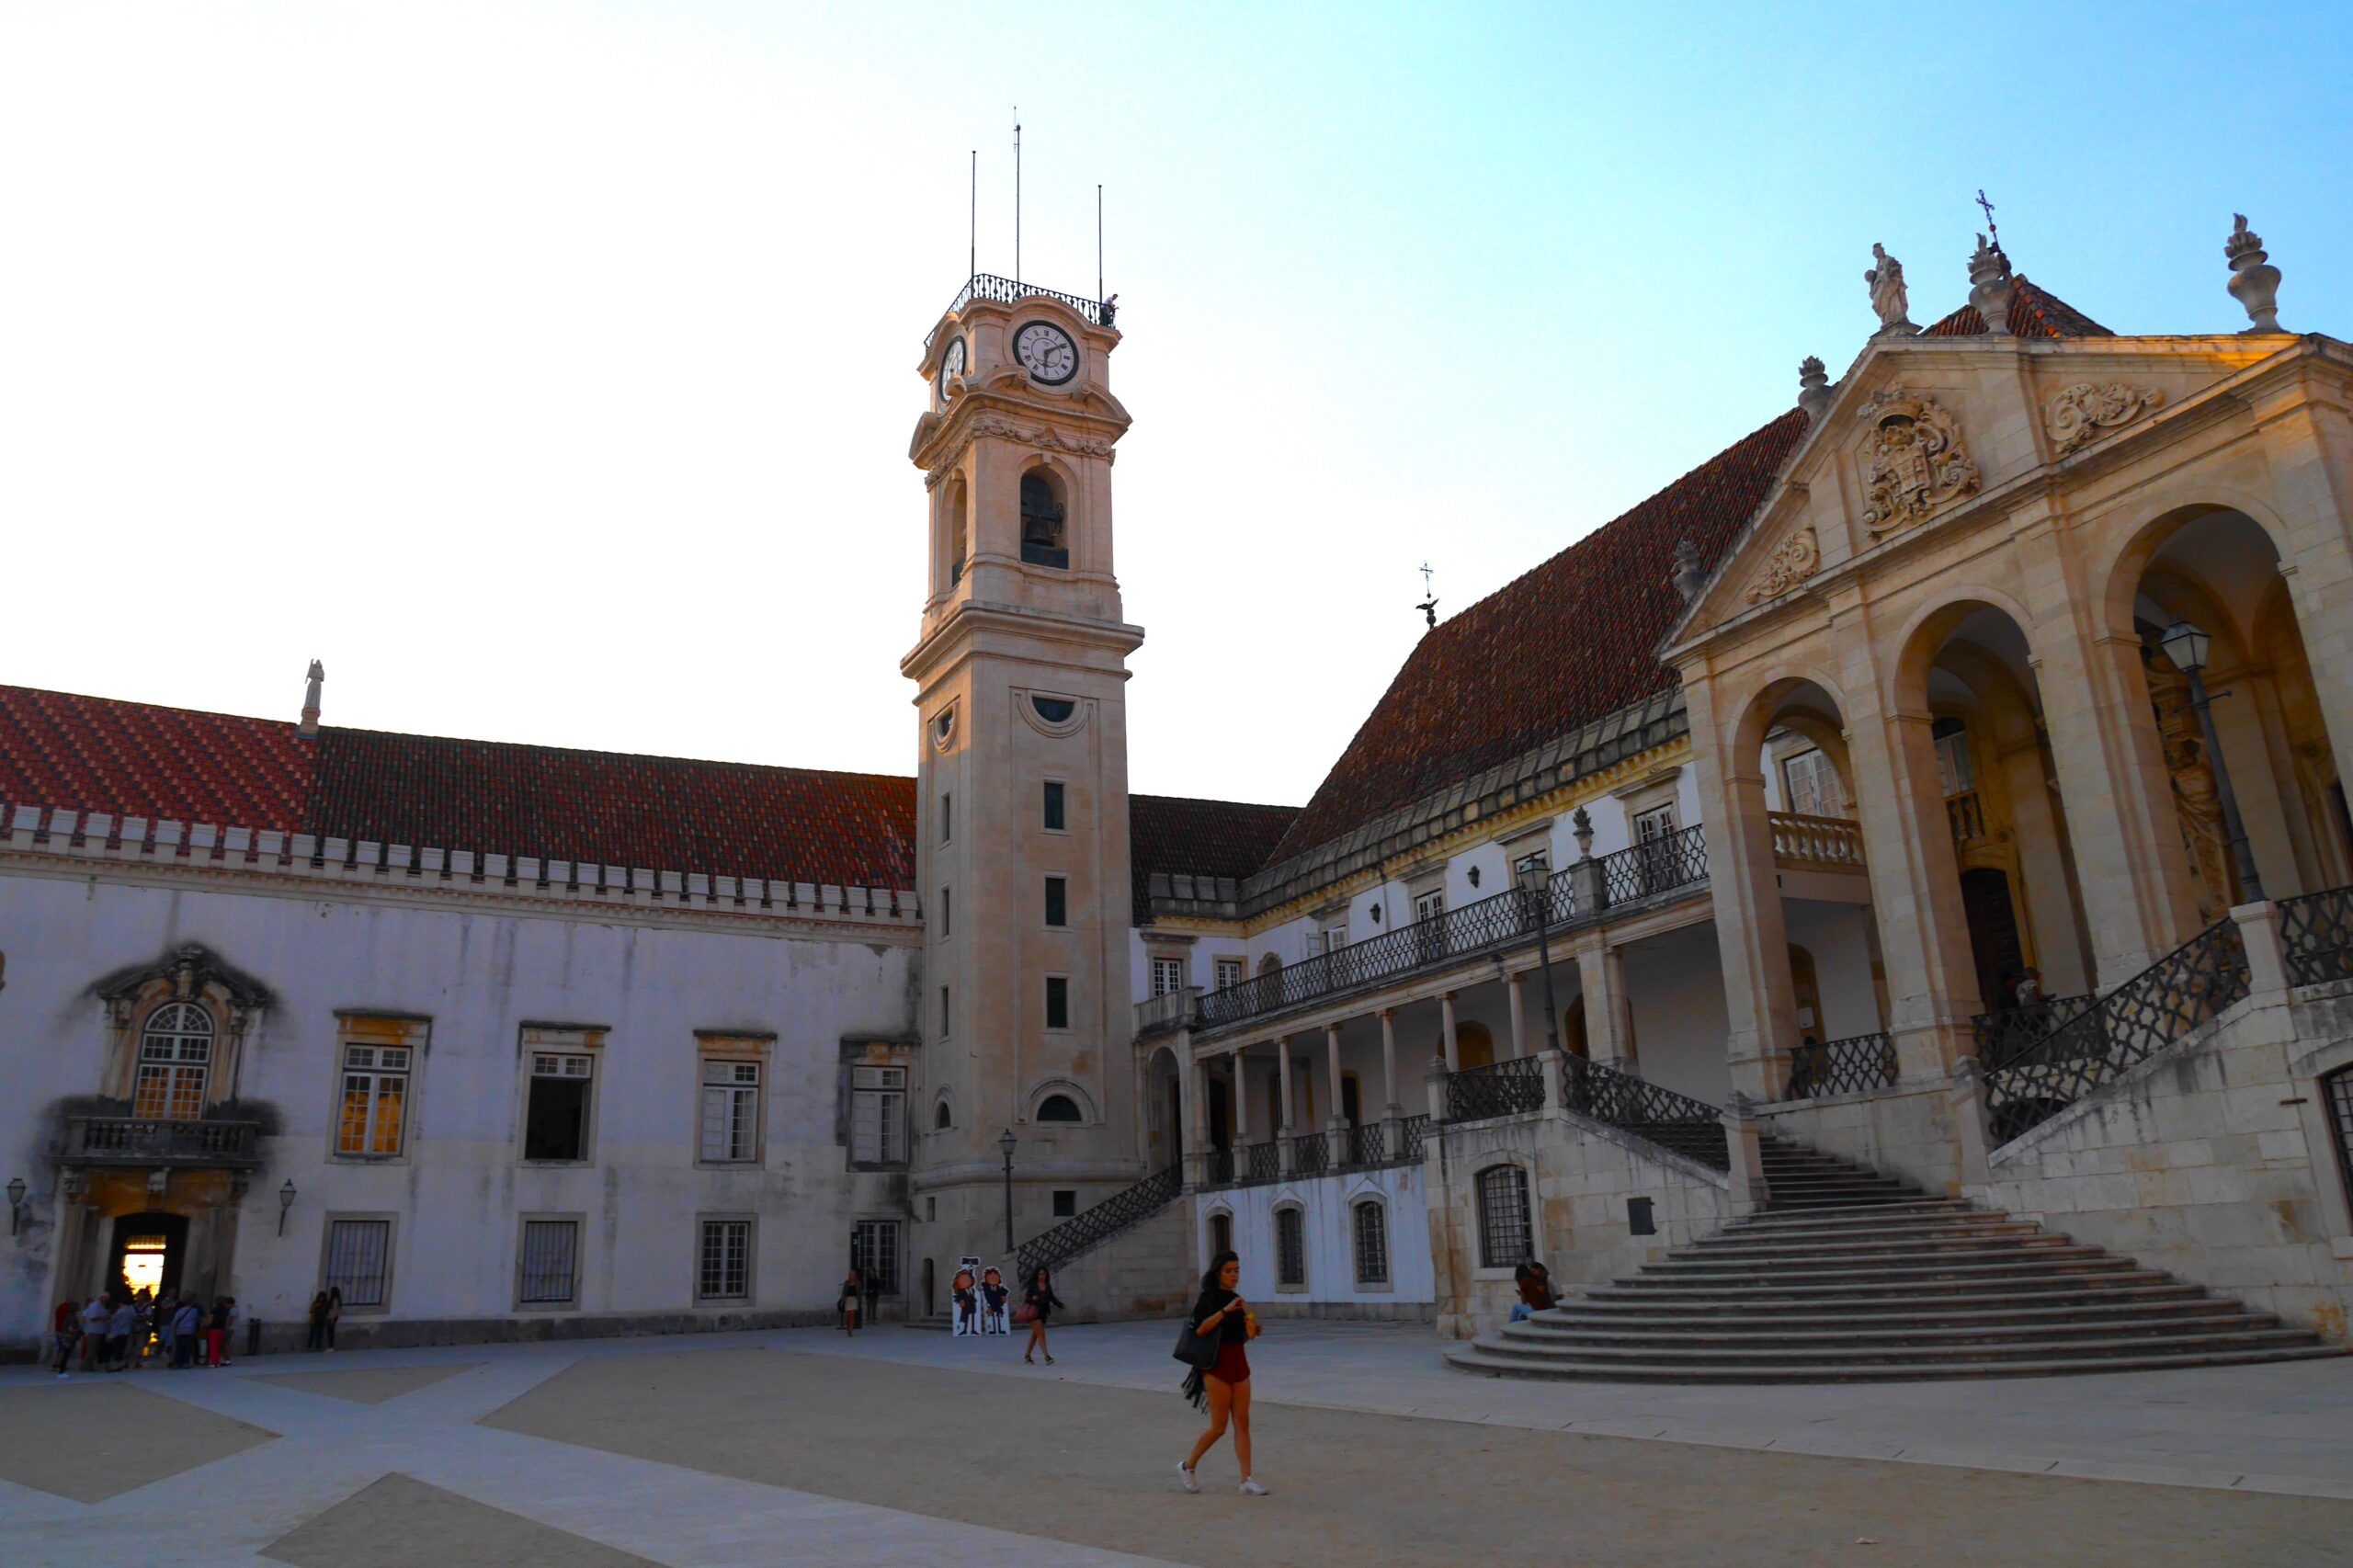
(731, 1111)
(1290, 1249)
(724, 1266)
(1370, 1224)
(1951, 738)
(943, 1011)
(1503, 1217)
(1057, 901)
(1168, 975)
(1221, 1234)
(874, 1244)
(1653, 825)
(946, 911)
(1811, 785)
(2337, 1095)
(360, 1261)
(1054, 806)
(1058, 1108)
(878, 1113)
(375, 1100)
(175, 1060)
(1065, 1202)
(548, 1269)
(1429, 906)
(942, 1118)
(1057, 1002)
(1041, 523)
(947, 816)
(1229, 973)
(1335, 939)
(555, 1125)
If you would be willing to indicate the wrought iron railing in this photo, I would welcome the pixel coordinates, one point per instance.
(1511, 1087)
(1854, 1065)
(1264, 1161)
(1220, 1169)
(2157, 1008)
(2000, 1036)
(1005, 291)
(1412, 1133)
(1657, 865)
(1821, 841)
(1311, 1153)
(2317, 931)
(1092, 1227)
(132, 1140)
(1367, 1145)
(1690, 1128)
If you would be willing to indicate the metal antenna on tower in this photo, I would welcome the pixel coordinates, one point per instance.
(1429, 606)
(972, 242)
(1098, 243)
(1016, 193)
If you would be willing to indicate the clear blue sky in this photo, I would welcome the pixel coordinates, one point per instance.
(549, 369)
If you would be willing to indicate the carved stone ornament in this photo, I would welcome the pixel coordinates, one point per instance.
(1048, 439)
(2077, 415)
(1917, 460)
(1798, 558)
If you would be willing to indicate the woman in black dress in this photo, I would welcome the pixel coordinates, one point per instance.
(1042, 1301)
(1221, 1314)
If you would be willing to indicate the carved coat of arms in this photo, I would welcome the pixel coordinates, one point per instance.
(1917, 460)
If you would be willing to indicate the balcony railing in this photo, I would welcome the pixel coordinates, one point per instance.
(1510, 1088)
(133, 1141)
(1369, 1147)
(1678, 1122)
(1854, 1065)
(1365, 1144)
(1966, 811)
(2000, 1036)
(1820, 841)
(2317, 933)
(1007, 291)
(1311, 1153)
(1177, 1009)
(1263, 1162)
(1677, 863)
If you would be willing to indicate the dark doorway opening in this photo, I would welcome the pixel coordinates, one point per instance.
(148, 1254)
(1992, 934)
(1176, 1121)
(1220, 1114)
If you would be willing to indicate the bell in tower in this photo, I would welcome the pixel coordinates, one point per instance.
(1041, 523)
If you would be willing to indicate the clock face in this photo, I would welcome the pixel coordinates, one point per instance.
(951, 364)
(1046, 351)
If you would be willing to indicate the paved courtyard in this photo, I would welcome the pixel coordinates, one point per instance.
(902, 1447)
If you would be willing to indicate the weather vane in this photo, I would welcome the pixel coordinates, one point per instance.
(1429, 606)
(1993, 234)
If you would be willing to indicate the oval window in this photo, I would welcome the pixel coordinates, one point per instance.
(1054, 709)
(944, 725)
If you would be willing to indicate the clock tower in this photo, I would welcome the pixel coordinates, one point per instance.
(1020, 673)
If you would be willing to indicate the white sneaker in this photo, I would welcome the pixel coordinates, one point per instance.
(1251, 1489)
(1184, 1474)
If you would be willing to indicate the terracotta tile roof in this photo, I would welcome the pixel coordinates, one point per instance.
(2034, 312)
(655, 813)
(1199, 838)
(1567, 644)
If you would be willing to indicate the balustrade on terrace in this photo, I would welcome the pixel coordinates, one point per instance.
(136, 1141)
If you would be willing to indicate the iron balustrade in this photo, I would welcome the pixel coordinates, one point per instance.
(1412, 1134)
(2002, 1035)
(2158, 1007)
(1266, 1163)
(1367, 1145)
(1665, 864)
(1854, 1065)
(1510, 1088)
(1128, 1206)
(1822, 841)
(1311, 1153)
(1678, 1122)
(135, 1141)
(1007, 291)
(2317, 932)
(1220, 1171)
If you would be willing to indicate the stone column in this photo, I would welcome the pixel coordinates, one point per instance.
(2267, 954)
(1390, 1108)
(1446, 1032)
(1336, 1124)
(1748, 1193)
(2047, 891)
(1241, 1107)
(1290, 1113)
(1601, 976)
(1196, 1080)
(1515, 988)
(1760, 1004)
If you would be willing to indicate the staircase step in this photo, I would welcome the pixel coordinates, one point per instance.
(1761, 1298)
(1550, 1338)
(1842, 1352)
(1474, 1360)
(1952, 1240)
(2049, 1306)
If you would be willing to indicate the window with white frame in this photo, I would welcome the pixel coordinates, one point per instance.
(878, 1115)
(1503, 1217)
(1653, 825)
(1335, 939)
(724, 1261)
(1369, 1225)
(1168, 975)
(360, 1261)
(548, 1264)
(375, 1100)
(1429, 906)
(874, 1248)
(174, 1061)
(1290, 1249)
(731, 1111)
(1811, 785)
(555, 1121)
(1229, 973)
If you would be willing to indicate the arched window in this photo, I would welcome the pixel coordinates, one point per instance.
(1368, 1224)
(1221, 1234)
(1059, 1108)
(959, 538)
(1503, 1217)
(1290, 1248)
(943, 1118)
(175, 1060)
(1043, 542)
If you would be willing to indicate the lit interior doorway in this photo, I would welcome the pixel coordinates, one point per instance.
(148, 1252)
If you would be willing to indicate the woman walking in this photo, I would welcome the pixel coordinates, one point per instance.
(334, 1313)
(318, 1340)
(1223, 1316)
(1040, 1303)
(848, 1304)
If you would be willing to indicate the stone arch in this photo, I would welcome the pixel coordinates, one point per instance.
(1066, 1089)
(1046, 495)
(943, 1111)
(2125, 554)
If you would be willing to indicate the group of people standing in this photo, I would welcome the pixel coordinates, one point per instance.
(115, 1330)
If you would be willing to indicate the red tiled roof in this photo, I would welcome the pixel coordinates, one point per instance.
(88, 754)
(1199, 838)
(2034, 312)
(1567, 644)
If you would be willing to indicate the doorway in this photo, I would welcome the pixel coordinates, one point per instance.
(148, 1253)
(1992, 934)
(926, 1287)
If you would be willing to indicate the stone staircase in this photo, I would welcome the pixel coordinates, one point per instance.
(1849, 1276)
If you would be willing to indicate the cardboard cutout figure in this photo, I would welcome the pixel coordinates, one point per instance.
(964, 1292)
(993, 1297)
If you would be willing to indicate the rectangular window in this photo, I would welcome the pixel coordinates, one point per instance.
(175, 1059)
(1953, 762)
(1054, 805)
(1057, 901)
(1057, 1002)
(1503, 1217)
(375, 1100)
(1336, 939)
(946, 911)
(555, 1125)
(548, 1268)
(1229, 973)
(360, 1261)
(731, 1111)
(1290, 1249)
(724, 1266)
(1372, 1244)
(1811, 785)
(943, 1011)
(1065, 1202)
(1168, 975)
(1429, 906)
(878, 1115)
(947, 816)
(874, 1246)
(1655, 823)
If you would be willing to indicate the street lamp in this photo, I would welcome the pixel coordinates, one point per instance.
(285, 1202)
(2188, 647)
(1005, 1143)
(1534, 876)
(16, 1201)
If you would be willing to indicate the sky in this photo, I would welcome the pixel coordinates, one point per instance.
(548, 370)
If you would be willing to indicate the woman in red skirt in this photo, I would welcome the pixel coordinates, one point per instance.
(1222, 1313)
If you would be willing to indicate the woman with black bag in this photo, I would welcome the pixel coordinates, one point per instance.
(1222, 1316)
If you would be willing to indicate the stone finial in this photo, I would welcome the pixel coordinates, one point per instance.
(1989, 286)
(310, 724)
(1581, 829)
(2254, 283)
(1889, 296)
(1689, 575)
(1815, 391)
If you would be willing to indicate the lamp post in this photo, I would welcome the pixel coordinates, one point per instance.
(2188, 647)
(1535, 875)
(285, 1202)
(16, 1201)
(1005, 1145)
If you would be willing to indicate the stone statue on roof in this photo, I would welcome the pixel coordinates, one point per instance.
(1889, 297)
